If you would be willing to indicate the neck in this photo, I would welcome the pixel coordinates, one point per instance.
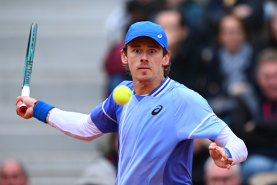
(146, 87)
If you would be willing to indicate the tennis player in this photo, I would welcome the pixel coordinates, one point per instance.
(157, 126)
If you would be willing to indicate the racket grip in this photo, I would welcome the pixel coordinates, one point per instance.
(23, 108)
(24, 92)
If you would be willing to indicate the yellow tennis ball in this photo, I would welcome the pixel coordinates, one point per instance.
(122, 94)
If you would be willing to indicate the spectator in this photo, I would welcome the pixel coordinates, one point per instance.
(230, 66)
(255, 117)
(100, 172)
(251, 11)
(184, 66)
(221, 176)
(102, 168)
(269, 9)
(270, 36)
(190, 9)
(127, 13)
(13, 173)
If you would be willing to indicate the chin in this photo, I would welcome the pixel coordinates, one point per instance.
(144, 78)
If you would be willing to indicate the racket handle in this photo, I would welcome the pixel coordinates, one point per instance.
(23, 108)
(24, 92)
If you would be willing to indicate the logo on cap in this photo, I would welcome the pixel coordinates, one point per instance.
(160, 36)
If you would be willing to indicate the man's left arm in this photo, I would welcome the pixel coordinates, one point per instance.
(228, 149)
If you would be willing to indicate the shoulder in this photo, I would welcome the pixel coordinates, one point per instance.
(183, 91)
(182, 94)
(128, 84)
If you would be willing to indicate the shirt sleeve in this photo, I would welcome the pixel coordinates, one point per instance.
(195, 117)
(235, 145)
(74, 124)
(106, 115)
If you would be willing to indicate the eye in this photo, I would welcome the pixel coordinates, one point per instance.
(152, 51)
(136, 50)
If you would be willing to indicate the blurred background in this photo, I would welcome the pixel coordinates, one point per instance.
(67, 72)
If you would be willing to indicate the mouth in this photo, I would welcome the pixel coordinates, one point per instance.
(143, 67)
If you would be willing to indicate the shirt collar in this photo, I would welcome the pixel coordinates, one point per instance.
(161, 88)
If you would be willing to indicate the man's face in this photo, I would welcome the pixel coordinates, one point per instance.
(267, 79)
(145, 59)
(12, 174)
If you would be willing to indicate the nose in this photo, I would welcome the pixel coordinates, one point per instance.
(144, 57)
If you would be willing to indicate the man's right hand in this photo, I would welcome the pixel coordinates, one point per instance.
(29, 102)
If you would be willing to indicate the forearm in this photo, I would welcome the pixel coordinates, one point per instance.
(234, 144)
(73, 124)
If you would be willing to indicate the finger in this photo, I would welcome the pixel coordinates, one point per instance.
(224, 154)
(228, 163)
(18, 100)
(215, 151)
(230, 160)
(212, 146)
(228, 166)
(224, 159)
(18, 112)
(219, 150)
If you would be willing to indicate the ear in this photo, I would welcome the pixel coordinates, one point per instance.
(124, 58)
(166, 59)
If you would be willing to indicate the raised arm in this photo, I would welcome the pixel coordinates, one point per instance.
(73, 124)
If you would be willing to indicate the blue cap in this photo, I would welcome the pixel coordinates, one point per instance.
(147, 29)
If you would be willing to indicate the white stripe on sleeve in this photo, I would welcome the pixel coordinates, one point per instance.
(236, 146)
(74, 124)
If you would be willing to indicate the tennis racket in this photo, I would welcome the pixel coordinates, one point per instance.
(28, 65)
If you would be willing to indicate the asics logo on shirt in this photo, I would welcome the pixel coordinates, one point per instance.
(157, 110)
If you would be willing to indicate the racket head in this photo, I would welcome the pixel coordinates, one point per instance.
(30, 55)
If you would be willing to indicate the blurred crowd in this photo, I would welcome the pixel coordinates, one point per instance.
(226, 50)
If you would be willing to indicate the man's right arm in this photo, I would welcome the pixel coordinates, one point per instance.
(73, 124)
